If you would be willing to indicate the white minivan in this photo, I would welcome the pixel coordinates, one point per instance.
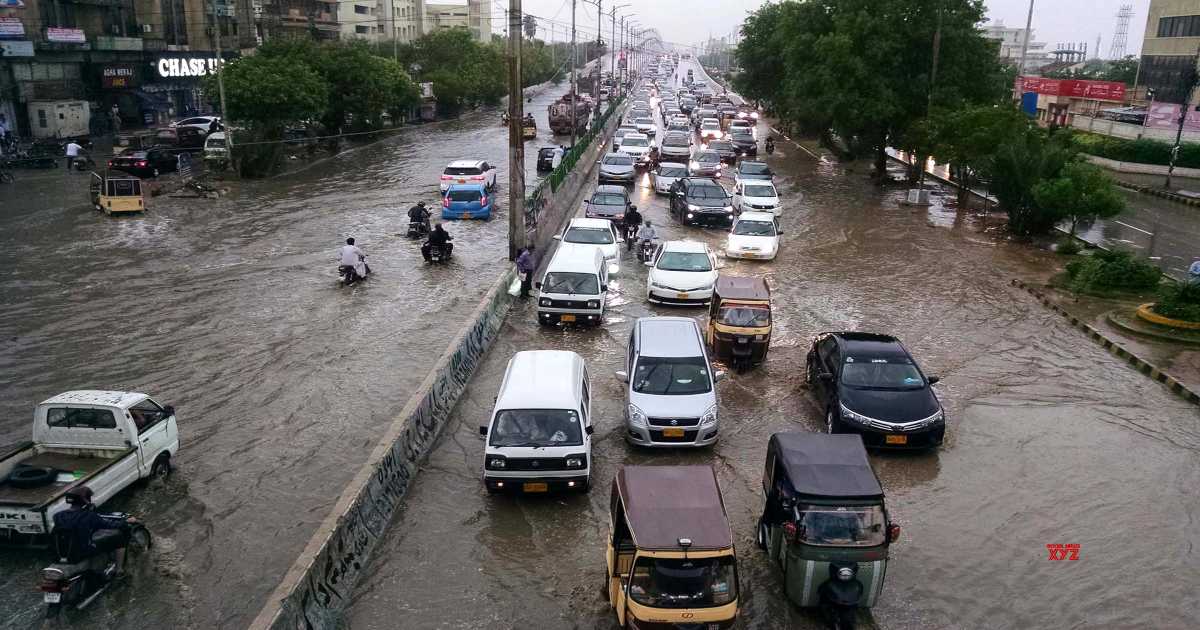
(574, 287)
(539, 437)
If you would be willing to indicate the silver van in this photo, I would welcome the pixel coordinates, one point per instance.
(670, 391)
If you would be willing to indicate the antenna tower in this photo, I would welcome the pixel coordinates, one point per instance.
(1117, 51)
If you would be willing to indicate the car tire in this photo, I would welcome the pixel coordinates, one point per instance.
(832, 424)
(155, 173)
(761, 537)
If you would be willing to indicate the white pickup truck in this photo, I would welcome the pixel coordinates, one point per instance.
(104, 440)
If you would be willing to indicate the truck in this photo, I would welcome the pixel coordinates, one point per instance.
(105, 440)
(559, 113)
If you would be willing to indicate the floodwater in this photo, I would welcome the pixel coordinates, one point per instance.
(231, 311)
(1050, 440)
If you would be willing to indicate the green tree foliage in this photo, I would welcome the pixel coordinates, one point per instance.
(1081, 191)
(1122, 70)
(1020, 163)
(464, 72)
(967, 137)
(270, 92)
(1109, 272)
(1179, 300)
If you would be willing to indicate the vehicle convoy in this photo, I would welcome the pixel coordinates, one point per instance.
(559, 113)
(824, 523)
(539, 437)
(669, 556)
(739, 321)
(103, 439)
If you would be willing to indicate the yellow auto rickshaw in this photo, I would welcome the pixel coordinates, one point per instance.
(528, 128)
(115, 192)
(670, 553)
(739, 321)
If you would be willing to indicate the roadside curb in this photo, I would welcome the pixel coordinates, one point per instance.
(1169, 196)
(1134, 361)
(1148, 334)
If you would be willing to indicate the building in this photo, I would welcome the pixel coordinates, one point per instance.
(381, 20)
(475, 16)
(1011, 40)
(1169, 50)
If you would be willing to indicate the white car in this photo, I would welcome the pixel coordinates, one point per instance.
(711, 131)
(750, 195)
(666, 174)
(596, 233)
(681, 272)
(754, 235)
(203, 123)
(619, 134)
(646, 126)
(637, 146)
(468, 172)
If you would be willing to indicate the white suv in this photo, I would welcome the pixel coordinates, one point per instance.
(468, 172)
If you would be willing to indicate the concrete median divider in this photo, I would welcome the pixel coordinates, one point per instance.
(318, 587)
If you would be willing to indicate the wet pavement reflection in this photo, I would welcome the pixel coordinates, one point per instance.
(1050, 440)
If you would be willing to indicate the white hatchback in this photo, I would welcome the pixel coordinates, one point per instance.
(681, 272)
(468, 172)
(754, 235)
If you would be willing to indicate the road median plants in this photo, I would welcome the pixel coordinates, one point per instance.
(1179, 301)
(1111, 274)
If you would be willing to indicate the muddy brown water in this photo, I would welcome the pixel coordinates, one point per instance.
(230, 310)
(1050, 440)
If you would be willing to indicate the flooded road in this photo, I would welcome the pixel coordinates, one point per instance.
(1050, 440)
(230, 310)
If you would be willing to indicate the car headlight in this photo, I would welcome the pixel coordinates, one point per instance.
(729, 209)
(693, 164)
(853, 417)
(710, 417)
(496, 462)
(593, 303)
(655, 285)
(690, 215)
(576, 461)
(636, 417)
(938, 418)
(544, 302)
(693, 207)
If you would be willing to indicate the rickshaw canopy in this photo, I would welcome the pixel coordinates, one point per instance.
(824, 466)
(742, 288)
(666, 503)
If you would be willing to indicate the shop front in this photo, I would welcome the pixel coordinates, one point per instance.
(174, 82)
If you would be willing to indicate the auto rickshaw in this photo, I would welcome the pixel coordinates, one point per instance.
(115, 192)
(137, 141)
(528, 128)
(825, 524)
(670, 552)
(739, 321)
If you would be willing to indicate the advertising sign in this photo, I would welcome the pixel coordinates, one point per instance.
(1166, 116)
(66, 35)
(11, 28)
(12, 4)
(1099, 90)
(16, 49)
(181, 67)
(118, 77)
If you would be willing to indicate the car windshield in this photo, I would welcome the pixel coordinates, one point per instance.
(892, 372)
(573, 283)
(635, 142)
(841, 526)
(216, 142)
(536, 427)
(464, 195)
(754, 228)
(684, 261)
(590, 236)
(677, 140)
(608, 199)
(707, 192)
(760, 191)
(672, 171)
(643, 121)
(751, 168)
(618, 159)
(462, 170)
(720, 146)
(745, 316)
(711, 127)
(674, 376)
(684, 583)
(708, 157)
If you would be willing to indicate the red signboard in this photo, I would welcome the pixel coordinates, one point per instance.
(1096, 90)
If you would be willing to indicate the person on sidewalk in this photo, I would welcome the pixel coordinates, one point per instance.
(1194, 272)
(526, 265)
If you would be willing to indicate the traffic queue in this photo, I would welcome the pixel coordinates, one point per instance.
(670, 558)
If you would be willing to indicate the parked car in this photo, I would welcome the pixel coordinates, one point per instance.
(468, 172)
(681, 273)
(666, 175)
(203, 123)
(150, 162)
(754, 235)
(705, 163)
(608, 202)
(617, 167)
(869, 384)
(756, 195)
(701, 201)
(467, 201)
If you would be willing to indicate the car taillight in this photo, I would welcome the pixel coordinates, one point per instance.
(446, 201)
(141, 162)
(110, 163)
(477, 178)
(483, 200)
(447, 177)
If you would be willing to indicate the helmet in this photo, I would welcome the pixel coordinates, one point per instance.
(79, 496)
(350, 241)
(648, 223)
(421, 204)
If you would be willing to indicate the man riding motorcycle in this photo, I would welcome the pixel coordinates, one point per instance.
(350, 256)
(419, 214)
(770, 144)
(646, 234)
(439, 237)
(89, 533)
(633, 221)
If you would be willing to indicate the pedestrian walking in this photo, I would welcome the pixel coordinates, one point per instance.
(115, 115)
(1194, 272)
(73, 150)
(526, 265)
(4, 131)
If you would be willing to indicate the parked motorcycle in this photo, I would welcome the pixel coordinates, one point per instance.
(76, 580)
(348, 275)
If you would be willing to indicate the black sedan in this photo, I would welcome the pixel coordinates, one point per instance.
(870, 385)
(150, 162)
(744, 143)
(724, 148)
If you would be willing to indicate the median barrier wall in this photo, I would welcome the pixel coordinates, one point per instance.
(318, 587)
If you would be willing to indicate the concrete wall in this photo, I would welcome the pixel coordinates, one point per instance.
(318, 587)
(1144, 169)
(1127, 130)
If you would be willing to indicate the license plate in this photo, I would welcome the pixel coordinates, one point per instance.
(52, 598)
(681, 296)
(897, 439)
(672, 432)
(749, 255)
(462, 181)
(567, 318)
(535, 487)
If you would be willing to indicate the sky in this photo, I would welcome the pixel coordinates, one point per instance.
(691, 21)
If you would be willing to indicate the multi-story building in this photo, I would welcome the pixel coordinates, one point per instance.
(381, 20)
(1011, 40)
(1169, 50)
(475, 16)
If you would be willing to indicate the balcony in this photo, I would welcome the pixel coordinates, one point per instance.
(105, 42)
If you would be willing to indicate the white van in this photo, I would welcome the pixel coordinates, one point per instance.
(215, 148)
(574, 287)
(539, 437)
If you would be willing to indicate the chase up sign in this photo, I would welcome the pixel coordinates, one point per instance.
(185, 67)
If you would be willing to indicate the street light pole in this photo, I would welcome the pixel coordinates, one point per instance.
(574, 88)
(1025, 44)
(516, 144)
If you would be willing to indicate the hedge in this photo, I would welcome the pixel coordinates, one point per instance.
(1143, 151)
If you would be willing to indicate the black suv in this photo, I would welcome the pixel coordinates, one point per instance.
(743, 142)
(701, 200)
(869, 384)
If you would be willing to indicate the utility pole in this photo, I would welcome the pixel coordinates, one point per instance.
(1183, 112)
(226, 122)
(1025, 44)
(574, 88)
(516, 144)
(937, 51)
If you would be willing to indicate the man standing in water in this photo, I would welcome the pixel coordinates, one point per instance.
(526, 264)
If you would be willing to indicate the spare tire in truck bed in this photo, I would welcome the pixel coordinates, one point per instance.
(31, 476)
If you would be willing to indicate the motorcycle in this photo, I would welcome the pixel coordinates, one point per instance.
(630, 236)
(770, 146)
(646, 250)
(348, 275)
(79, 580)
(83, 163)
(841, 595)
(439, 253)
(418, 229)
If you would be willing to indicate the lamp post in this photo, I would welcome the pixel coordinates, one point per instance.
(612, 66)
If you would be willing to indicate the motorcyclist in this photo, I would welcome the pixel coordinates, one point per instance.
(646, 234)
(90, 533)
(419, 214)
(439, 236)
(350, 256)
(633, 221)
(770, 144)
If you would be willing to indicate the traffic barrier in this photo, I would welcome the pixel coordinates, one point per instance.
(320, 583)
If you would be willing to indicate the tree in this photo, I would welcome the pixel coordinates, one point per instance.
(463, 71)
(270, 92)
(529, 25)
(362, 85)
(966, 139)
(1019, 164)
(1082, 191)
(1123, 70)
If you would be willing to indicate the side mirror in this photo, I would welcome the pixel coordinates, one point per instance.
(537, 285)
(893, 533)
(604, 288)
(649, 263)
(622, 376)
(589, 429)
(482, 430)
(933, 379)
(558, 237)
(719, 376)
(169, 410)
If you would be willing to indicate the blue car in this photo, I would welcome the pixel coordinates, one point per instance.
(467, 201)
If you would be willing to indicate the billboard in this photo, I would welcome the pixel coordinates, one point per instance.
(66, 35)
(11, 28)
(1074, 88)
(1166, 116)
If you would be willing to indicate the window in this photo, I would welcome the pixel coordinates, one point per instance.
(684, 583)
(680, 376)
(146, 414)
(589, 236)
(536, 427)
(72, 418)
(41, 118)
(362, 30)
(1168, 75)
(464, 195)
(841, 526)
(1179, 26)
(571, 283)
(361, 10)
(894, 372)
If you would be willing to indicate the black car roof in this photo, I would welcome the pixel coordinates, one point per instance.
(828, 466)
(870, 343)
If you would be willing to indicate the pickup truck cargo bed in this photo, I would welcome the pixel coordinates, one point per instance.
(63, 462)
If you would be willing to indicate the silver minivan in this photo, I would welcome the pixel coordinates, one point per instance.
(670, 386)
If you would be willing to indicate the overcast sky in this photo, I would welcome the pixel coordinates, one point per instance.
(691, 21)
